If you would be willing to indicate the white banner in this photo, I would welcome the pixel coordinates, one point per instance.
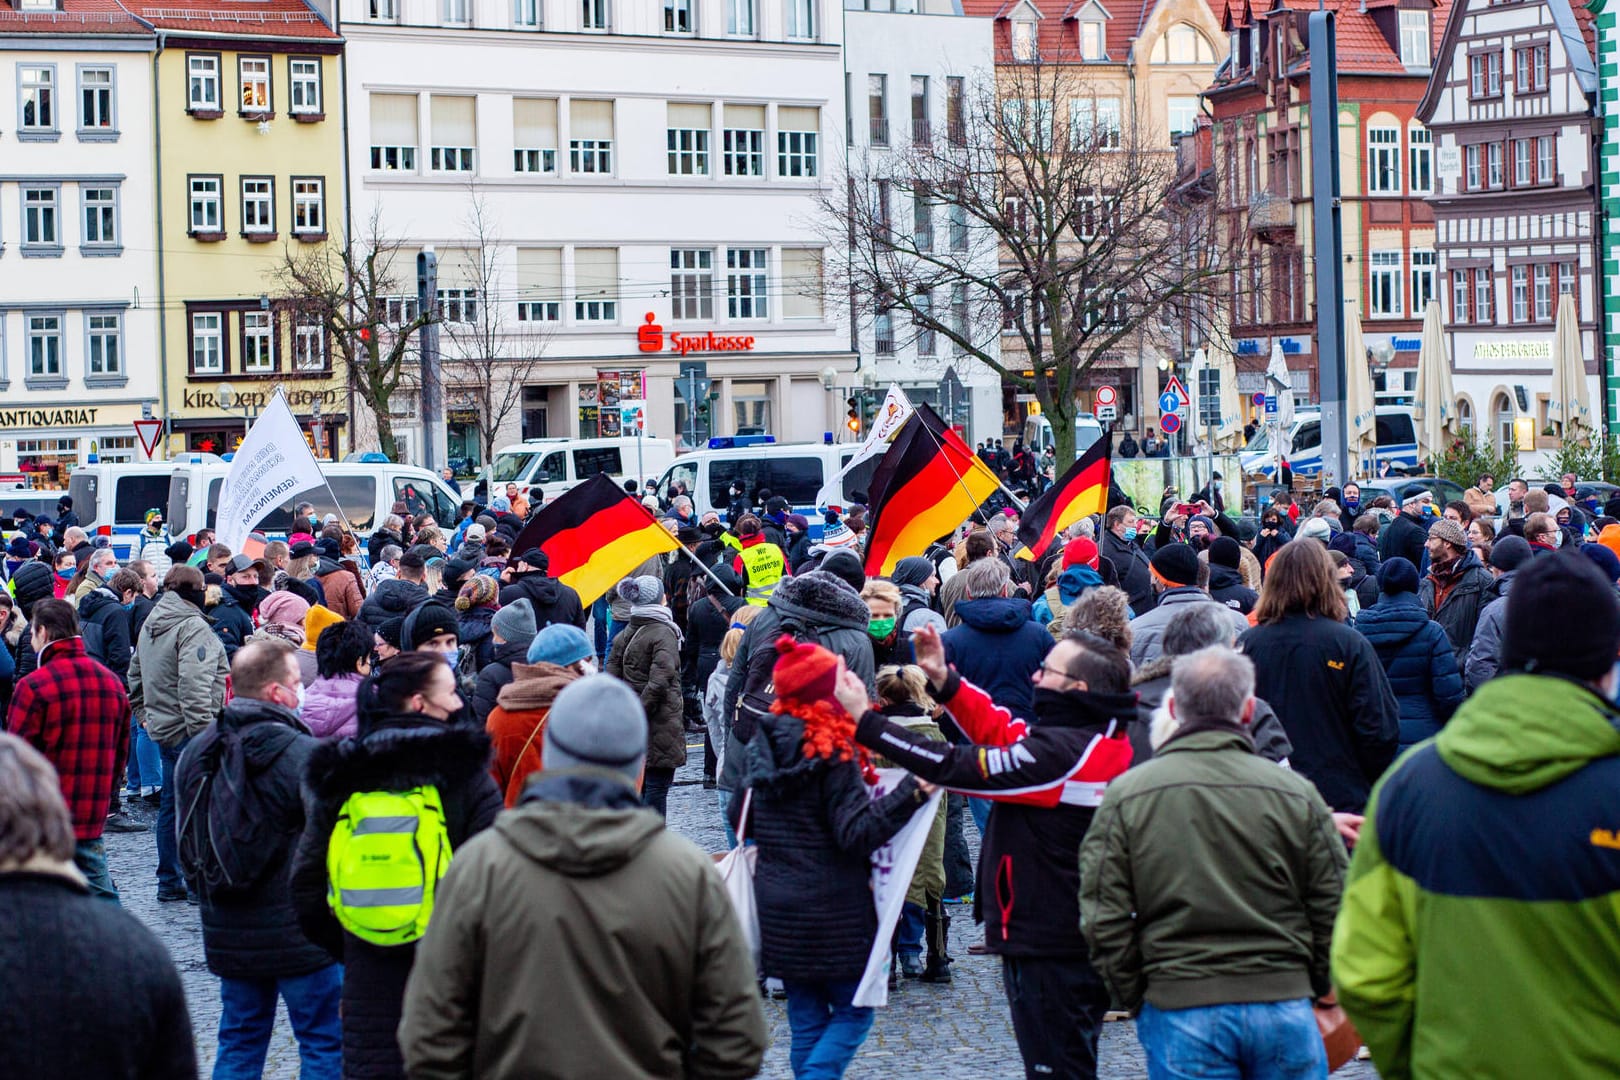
(892, 867)
(273, 464)
(894, 412)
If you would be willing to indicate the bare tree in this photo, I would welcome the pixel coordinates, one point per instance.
(366, 303)
(1046, 220)
(488, 359)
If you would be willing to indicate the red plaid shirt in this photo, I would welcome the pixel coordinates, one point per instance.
(76, 713)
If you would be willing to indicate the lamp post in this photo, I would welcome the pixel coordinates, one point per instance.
(829, 383)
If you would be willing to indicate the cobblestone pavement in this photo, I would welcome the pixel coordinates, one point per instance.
(960, 1030)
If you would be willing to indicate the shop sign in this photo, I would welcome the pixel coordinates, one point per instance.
(650, 338)
(258, 399)
(1252, 346)
(1294, 346)
(599, 413)
(1513, 350)
(10, 418)
(1406, 344)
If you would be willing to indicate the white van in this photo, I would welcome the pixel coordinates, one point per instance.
(795, 471)
(1039, 438)
(1393, 432)
(555, 465)
(112, 500)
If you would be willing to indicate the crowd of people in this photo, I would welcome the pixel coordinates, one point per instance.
(1225, 772)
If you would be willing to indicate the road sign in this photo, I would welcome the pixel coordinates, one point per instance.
(1170, 422)
(1259, 397)
(147, 431)
(1271, 404)
(1105, 396)
(1106, 413)
(1169, 403)
(632, 416)
(1179, 390)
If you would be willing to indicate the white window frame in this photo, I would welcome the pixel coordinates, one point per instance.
(526, 14)
(1025, 41)
(309, 343)
(309, 205)
(208, 340)
(1484, 294)
(1093, 39)
(801, 19)
(1386, 285)
(741, 19)
(597, 154)
(1495, 168)
(41, 218)
(258, 205)
(253, 71)
(98, 102)
(687, 151)
(99, 204)
(747, 277)
(458, 305)
(456, 12)
(678, 17)
(103, 346)
(43, 339)
(205, 192)
(1567, 283)
(385, 11)
(1424, 279)
(1519, 292)
(1473, 167)
(37, 85)
(1383, 160)
(744, 151)
(1524, 163)
(796, 154)
(596, 15)
(304, 94)
(1189, 104)
(1546, 159)
(691, 284)
(1416, 38)
(1420, 159)
(202, 72)
(1542, 291)
(258, 342)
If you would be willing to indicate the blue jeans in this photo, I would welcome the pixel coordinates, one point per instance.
(599, 627)
(248, 1013)
(913, 924)
(827, 1029)
(980, 809)
(90, 856)
(723, 797)
(168, 839)
(1275, 1040)
(145, 759)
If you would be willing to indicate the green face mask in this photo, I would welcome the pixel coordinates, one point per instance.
(880, 628)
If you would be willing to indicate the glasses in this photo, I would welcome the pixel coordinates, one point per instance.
(1047, 669)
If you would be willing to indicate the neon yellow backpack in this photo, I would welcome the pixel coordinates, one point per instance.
(387, 853)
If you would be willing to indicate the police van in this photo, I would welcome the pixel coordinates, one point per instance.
(795, 471)
(555, 465)
(1393, 430)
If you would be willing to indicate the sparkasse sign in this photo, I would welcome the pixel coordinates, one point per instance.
(650, 338)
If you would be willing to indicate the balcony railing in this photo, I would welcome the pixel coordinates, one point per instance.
(1270, 211)
(880, 130)
(921, 131)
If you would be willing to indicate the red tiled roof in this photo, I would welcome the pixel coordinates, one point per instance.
(236, 18)
(1057, 35)
(100, 17)
(1362, 48)
(1586, 19)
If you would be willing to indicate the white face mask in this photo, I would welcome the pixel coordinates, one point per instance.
(588, 666)
(300, 706)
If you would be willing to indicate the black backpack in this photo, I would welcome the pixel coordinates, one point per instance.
(95, 642)
(759, 690)
(228, 837)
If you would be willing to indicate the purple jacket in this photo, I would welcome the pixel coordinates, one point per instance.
(329, 709)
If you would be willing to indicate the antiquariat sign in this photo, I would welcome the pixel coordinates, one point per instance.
(258, 399)
(45, 418)
(1513, 350)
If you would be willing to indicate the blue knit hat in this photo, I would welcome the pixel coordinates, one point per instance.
(1397, 575)
(561, 644)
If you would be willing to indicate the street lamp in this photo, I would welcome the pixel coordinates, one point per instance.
(829, 378)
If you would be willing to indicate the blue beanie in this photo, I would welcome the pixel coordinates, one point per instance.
(1397, 575)
(561, 644)
(1605, 559)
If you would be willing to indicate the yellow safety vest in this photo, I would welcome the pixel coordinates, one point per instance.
(764, 564)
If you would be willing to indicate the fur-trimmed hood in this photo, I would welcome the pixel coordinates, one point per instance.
(1153, 669)
(398, 753)
(821, 599)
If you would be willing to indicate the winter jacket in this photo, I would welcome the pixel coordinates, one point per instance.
(1147, 631)
(1152, 681)
(1045, 781)
(329, 706)
(1226, 587)
(1238, 908)
(647, 655)
(89, 990)
(1419, 661)
(495, 675)
(232, 622)
(1071, 585)
(476, 632)
(1333, 698)
(998, 647)
(1366, 553)
(396, 753)
(101, 609)
(659, 981)
(1484, 652)
(308, 667)
(917, 610)
(393, 599)
(553, 602)
(1458, 613)
(1489, 860)
(518, 722)
(707, 621)
(177, 675)
(379, 540)
(1405, 537)
(816, 828)
(253, 933)
(619, 607)
(341, 588)
(155, 550)
(75, 713)
(1135, 575)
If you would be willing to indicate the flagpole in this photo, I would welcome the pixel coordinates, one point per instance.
(325, 482)
(690, 554)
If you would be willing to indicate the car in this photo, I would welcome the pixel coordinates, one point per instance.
(1400, 487)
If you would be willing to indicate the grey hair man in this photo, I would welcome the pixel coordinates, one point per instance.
(1180, 919)
(997, 646)
(579, 866)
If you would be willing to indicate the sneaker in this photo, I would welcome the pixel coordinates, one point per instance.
(122, 822)
(965, 898)
(153, 797)
(710, 784)
(171, 895)
(911, 965)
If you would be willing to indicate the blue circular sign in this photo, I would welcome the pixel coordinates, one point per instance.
(1259, 398)
(1169, 402)
(1170, 422)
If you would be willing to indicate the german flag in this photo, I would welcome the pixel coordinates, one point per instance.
(927, 484)
(594, 534)
(1081, 491)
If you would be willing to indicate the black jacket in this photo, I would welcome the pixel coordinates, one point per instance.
(138, 611)
(1404, 537)
(89, 991)
(101, 609)
(232, 623)
(496, 674)
(1459, 615)
(553, 602)
(1226, 587)
(475, 630)
(393, 598)
(255, 935)
(816, 829)
(381, 539)
(1334, 700)
(392, 754)
(1135, 577)
(706, 624)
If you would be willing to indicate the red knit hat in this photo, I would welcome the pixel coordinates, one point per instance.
(1080, 550)
(804, 672)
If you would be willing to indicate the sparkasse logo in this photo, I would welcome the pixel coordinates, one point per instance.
(650, 338)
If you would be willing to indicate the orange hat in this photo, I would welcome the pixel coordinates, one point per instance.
(1610, 538)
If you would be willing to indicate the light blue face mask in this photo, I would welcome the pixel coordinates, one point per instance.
(1130, 533)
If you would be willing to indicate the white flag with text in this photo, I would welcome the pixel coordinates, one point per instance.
(273, 464)
(896, 409)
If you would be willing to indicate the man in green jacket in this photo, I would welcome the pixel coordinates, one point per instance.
(1208, 884)
(1480, 932)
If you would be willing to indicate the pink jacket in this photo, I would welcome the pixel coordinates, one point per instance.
(329, 709)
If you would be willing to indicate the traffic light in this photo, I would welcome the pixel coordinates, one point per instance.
(854, 421)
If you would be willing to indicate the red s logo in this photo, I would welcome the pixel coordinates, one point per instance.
(650, 336)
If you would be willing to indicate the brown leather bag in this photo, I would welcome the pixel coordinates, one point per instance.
(1339, 1035)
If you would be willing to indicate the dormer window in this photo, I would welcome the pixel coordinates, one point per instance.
(1093, 39)
(37, 5)
(1415, 39)
(1181, 44)
(1023, 40)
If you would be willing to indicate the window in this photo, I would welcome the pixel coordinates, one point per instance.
(1415, 38)
(1424, 268)
(596, 284)
(455, 137)
(116, 449)
(526, 14)
(687, 139)
(957, 213)
(691, 283)
(534, 135)
(1023, 40)
(104, 350)
(1459, 296)
(802, 285)
(1546, 160)
(745, 283)
(382, 10)
(745, 140)
(1474, 177)
(207, 215)
(955, 109)
(801, 18)
(1092, 40)
(595, 15)
(590, 143)
(1386, 283)
(1524, 168)
(100, 216)
(96, 100)
(253, 72)
(36, 86)
(883, 331)
(751, 408)
(258, 342)
(458, 304)
(1183, 115)
(677, 16)
(740, 18)
(457, 12)
(1530, 69)
(1485, 74)
(42, 228)
(207, 343)
(1502, 421)
(1566, 284)
(304, 85)
(44, 346)
(202, 73)
(1493, 164)
(877, 99)
(959, 316)
(797, 133)
(539, 284)
(1384, 161)
(393, 132)
(1544, 292)
(1094, 122)
(309, 205)
(1519, 293)
(1028, 119)
(1484, 295)
(309, 344)
(258, 205)
(920, 132)
(1420, 156)
(922, 220)
(1181, 44)
(927, 344)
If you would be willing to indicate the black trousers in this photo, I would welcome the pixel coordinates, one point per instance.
(958, 863)
(655, 785)
(1058, 1005)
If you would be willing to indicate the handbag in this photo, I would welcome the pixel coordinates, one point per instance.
(737, 873)
(1339, 1035)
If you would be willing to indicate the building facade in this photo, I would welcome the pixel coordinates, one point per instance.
(1513, 109)
(611, 189)
(1606, 27)
(79, 302)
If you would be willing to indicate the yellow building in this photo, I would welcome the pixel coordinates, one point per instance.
(249, 149)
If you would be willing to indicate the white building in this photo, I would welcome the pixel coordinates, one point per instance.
(78, 287)
(912, 66)
(652, 170)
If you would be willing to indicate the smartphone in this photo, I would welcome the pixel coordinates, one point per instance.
(1186, 509)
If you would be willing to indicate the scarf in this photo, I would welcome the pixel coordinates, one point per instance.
(658, 613)
(294, 635)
